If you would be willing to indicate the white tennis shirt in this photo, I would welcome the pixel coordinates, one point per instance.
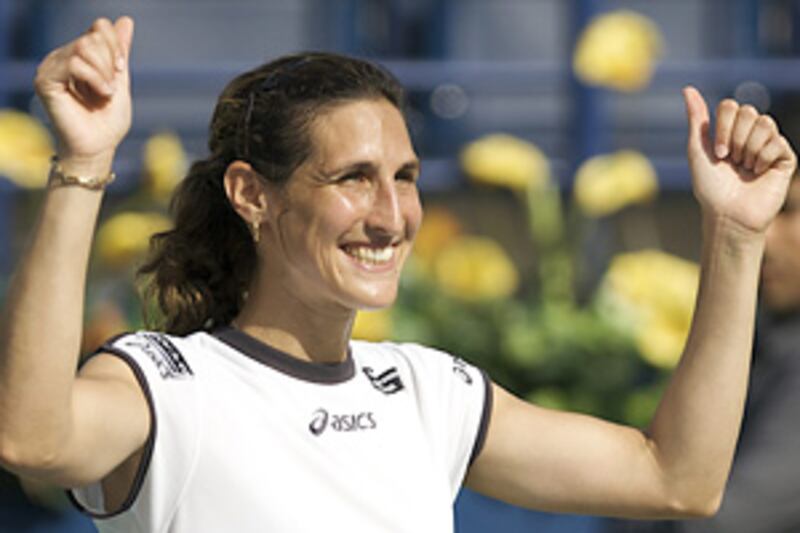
(246, 438)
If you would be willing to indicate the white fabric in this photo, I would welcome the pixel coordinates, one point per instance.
(234, 448)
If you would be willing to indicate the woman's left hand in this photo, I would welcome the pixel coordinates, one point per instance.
(741, 175)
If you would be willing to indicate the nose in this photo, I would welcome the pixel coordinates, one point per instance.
(385, 217)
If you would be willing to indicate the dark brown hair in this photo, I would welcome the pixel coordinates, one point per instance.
(197, 274)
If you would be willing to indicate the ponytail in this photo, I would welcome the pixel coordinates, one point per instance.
(196, 274)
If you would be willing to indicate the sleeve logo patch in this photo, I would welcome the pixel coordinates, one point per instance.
(460, 370)
(163, 354)
(388, 382)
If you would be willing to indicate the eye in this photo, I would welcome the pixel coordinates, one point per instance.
(353, 176)
(407, 175)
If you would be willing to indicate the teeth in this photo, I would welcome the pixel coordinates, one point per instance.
(374, 256)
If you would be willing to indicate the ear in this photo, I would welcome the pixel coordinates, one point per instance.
(246, 192)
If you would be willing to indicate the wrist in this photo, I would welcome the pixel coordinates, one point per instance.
(87, 175)
(722, 230)
(86, 165)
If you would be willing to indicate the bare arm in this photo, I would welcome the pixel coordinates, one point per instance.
(50, 422)
(678, 467)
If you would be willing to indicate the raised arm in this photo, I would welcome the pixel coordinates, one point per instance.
(53, 426)
(565, 462)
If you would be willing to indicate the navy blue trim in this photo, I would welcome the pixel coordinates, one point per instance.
(486, 415)
(325, 373)
(144, 463)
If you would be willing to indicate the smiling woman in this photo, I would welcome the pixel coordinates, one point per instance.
(338, 232)
(253, 410)
(335, 126)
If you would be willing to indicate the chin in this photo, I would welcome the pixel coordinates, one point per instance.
(373, 299)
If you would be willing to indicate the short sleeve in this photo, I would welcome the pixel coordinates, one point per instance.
(168, 383)
(455, 400)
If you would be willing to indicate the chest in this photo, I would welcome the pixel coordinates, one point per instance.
(301, 456)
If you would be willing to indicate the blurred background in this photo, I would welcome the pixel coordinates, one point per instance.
(560, 242)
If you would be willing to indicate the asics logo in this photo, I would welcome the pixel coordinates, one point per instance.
(322, 420)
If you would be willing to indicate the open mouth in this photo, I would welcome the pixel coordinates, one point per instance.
(370, 255)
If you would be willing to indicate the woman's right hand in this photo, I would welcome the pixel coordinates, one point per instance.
(85, 88)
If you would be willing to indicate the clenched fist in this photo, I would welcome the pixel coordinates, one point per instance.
(742, 174)
(85, 88)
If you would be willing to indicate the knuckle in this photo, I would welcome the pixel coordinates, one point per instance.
(47, 62)
(95, 38)
(39, 79)
(83, 44)
(727, 105)
(74, 64)
(100, 23)
(766, 121)
(788, 147)
(41, 70)
(748, 111)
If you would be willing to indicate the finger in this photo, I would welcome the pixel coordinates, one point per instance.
(777, 152)
(124, 29)
(742, 126)
(763, 129)
(726, 116)
(94, 51)
(697, 114)
(81, 75)
(104, 27)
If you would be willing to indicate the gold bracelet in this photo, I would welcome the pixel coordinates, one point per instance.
(57, 178)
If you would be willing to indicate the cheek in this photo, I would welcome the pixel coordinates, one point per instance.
(326, 215)
(338, 213)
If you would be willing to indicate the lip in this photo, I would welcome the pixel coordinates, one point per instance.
(382, 268)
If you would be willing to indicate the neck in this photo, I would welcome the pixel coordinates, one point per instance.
(288, 324)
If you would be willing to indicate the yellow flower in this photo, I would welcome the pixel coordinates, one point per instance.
(125, 237)
(605, 184)
(653, 293)
(506, 161)
(438, 228)
(661, 342)
(165, 164)
(373, 325)
(474, 269)
(618, 50)
(25, 149)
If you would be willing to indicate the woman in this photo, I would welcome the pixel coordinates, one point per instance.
(258, 412)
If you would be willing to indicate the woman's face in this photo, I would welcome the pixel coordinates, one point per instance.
(340, 229)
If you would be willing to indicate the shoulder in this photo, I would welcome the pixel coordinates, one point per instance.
(418, 359)
(410, 352)
(171, 355)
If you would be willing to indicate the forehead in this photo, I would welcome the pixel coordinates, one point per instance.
(360, 130)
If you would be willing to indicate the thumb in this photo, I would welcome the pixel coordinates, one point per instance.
(697, 113)
(124, 29)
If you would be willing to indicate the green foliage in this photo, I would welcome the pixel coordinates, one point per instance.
(557, 356)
